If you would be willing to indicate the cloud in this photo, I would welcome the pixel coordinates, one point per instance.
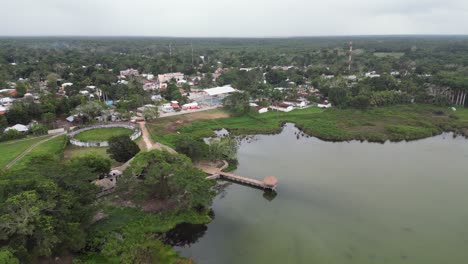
(229, 18)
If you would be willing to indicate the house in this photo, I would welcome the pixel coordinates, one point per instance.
(262, 109)
(149, 85)
(282, 107)
(163, 78)
(11, 92)
(297, 103)
(324, 104)
(372, 74)
(18, 127)
(189, 106)
(6, 101)
(129, 72)
(156, 97)
(175, 104)
(84, 92)
(2, 110)
(167, 108)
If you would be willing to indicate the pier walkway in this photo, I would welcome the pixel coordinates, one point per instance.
(268, 182)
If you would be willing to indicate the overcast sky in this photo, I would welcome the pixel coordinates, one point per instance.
(232, 18)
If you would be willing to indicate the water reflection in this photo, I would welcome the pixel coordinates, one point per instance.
(183, 235)
(270, 195)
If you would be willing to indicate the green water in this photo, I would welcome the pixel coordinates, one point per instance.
(346, 202)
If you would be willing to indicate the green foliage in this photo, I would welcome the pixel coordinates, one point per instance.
(237, 103)
(90, 109)
(53, 148)
(39, 129)
(98, 164)
(194, 149)
(172, 177)
(150, 113)
(6, 257)
(45, 208)
(223, 148)
(11, 134)
(172, 93)
(122, 148)
(338, 96)
(128, 235)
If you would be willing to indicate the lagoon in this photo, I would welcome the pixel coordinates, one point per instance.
(345, 202)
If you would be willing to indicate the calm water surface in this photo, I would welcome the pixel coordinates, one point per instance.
(346, 202)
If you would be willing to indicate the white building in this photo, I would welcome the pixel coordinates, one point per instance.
(177, 76)
(282, 107)
(372, 74)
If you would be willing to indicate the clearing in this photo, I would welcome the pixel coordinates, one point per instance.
(103, 134)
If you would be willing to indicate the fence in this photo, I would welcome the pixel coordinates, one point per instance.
(87, 144)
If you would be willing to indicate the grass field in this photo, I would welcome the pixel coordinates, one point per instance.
(396, 123)
(11, 149)
(54, 147)
(103, 134)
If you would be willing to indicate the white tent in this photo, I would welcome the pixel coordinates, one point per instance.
(18, 127)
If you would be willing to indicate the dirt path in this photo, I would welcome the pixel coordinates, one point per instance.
(13, 162)
(150, 145)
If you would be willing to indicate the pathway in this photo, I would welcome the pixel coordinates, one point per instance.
(150, 145)
(13, 162)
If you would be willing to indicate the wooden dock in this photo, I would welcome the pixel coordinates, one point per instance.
(215, 172)
(269, 182)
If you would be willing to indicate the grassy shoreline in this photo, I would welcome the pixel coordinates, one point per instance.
(394, 123)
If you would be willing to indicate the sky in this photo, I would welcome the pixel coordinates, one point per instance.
(231, 18)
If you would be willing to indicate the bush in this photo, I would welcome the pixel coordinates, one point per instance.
(122, 148)
(12, 134)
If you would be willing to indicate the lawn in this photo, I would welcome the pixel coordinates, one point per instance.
(103, 134)
(72, 151)
(396, 123)
(53, 147)
(11, 149)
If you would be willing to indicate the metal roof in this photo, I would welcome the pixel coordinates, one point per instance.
(219, 90)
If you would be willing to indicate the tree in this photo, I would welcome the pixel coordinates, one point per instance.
(223, 148)
(21, 88)
(150, 113)
(237, 103)
(3, 123)
(173, 178)
(194, 149)
(90, 109)
(7, 257)
(122, 148)
(39, 129)
(48, 118)
(98, 164)
(338, 96)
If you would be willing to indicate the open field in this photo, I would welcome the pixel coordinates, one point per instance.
(103, 134)
(11, 149)
(396, 123)
(54, 147)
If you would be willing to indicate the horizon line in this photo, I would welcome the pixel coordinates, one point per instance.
(233, 37)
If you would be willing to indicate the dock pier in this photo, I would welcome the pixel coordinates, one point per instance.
(268, 183)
